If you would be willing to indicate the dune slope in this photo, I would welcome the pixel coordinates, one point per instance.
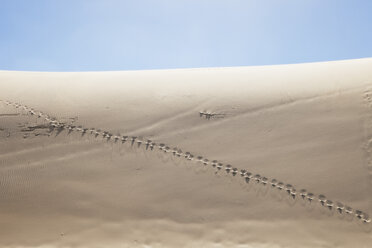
(307, 125)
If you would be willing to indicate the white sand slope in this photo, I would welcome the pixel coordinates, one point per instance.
(73, 175)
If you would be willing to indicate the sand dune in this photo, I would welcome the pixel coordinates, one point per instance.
(273, 156)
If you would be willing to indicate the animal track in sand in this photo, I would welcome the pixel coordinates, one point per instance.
(248, 177)
(208, 115)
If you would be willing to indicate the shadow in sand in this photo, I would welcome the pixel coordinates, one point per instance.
(58, 131)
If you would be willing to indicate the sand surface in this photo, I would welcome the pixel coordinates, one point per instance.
(308, 125)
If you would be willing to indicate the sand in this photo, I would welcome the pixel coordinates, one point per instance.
(307, 125)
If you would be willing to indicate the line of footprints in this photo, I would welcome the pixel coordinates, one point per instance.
(341, 208)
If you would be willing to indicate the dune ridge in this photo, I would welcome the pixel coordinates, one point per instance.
(309, 125)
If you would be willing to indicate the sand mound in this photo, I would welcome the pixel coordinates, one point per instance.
(275, 156)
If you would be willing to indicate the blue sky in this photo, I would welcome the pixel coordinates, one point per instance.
(88, 35)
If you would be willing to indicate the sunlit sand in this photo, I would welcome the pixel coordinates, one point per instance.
(269, 156)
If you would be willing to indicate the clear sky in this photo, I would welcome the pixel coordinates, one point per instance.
(87, 35)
